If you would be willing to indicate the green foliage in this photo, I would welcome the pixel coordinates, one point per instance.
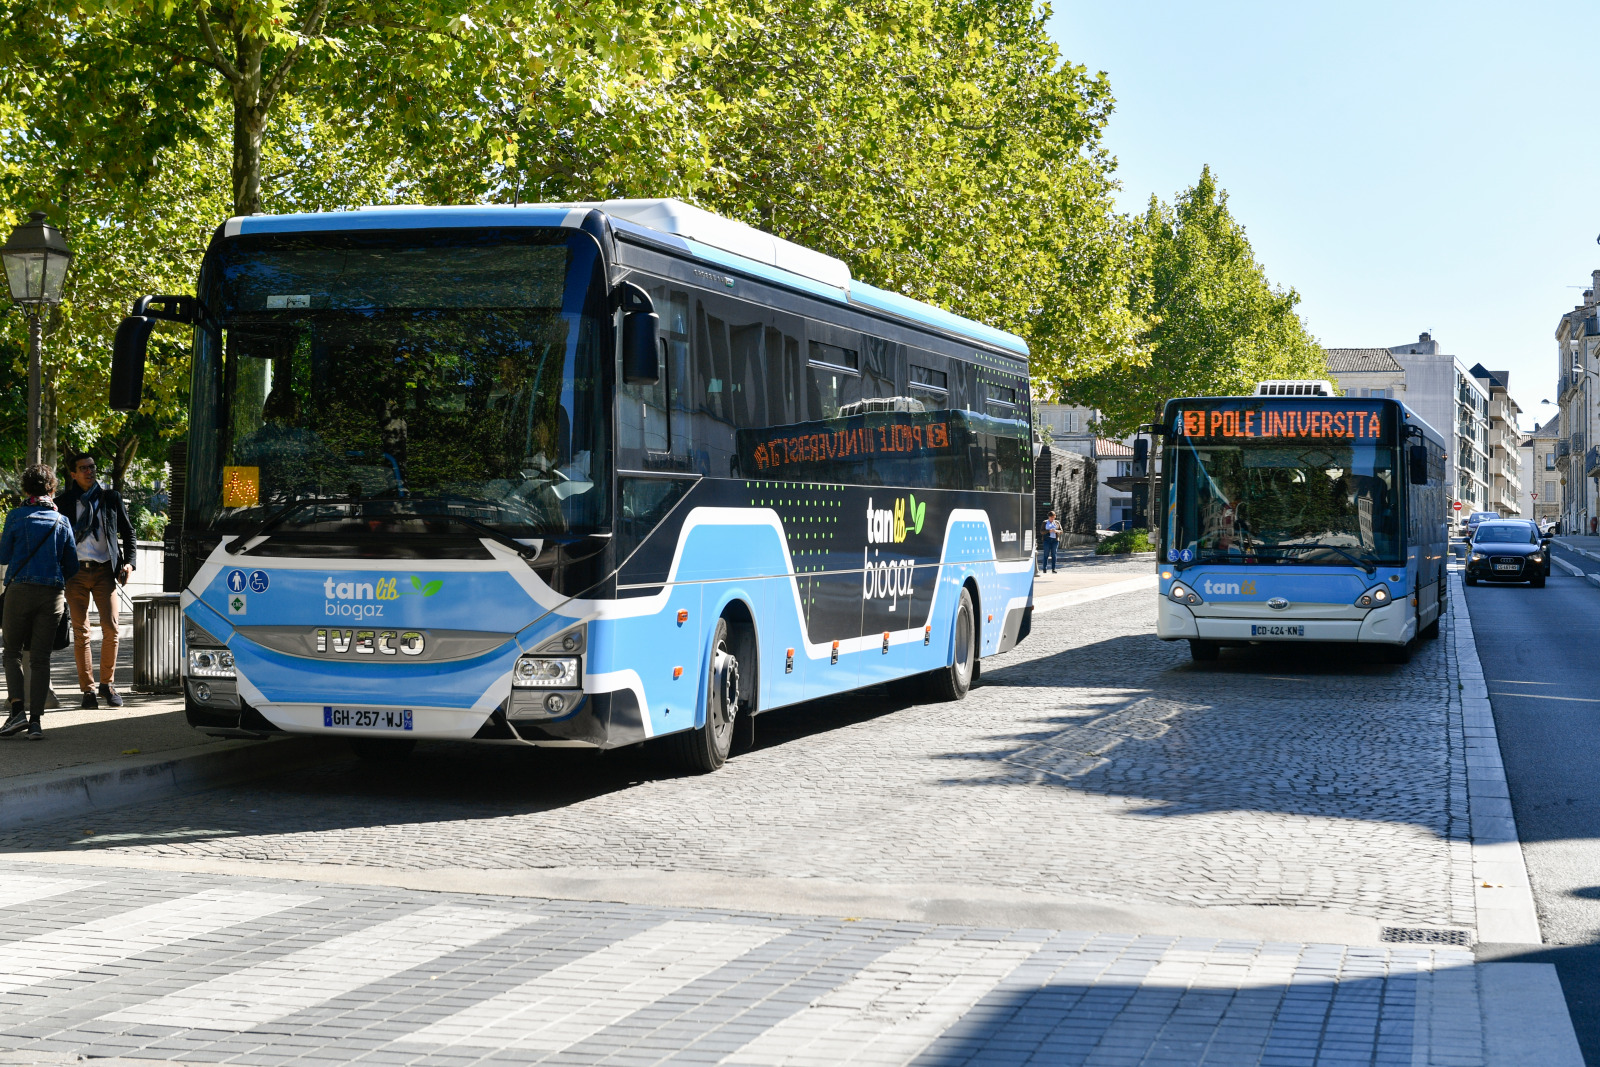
(1125, 541)
(1213, 324)
(148, 525)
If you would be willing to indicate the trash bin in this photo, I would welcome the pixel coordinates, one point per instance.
(157, 644)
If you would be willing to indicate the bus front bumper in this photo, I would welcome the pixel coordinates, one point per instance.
(1393, 624)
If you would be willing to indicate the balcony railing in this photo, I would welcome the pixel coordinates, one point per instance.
(1591, 463)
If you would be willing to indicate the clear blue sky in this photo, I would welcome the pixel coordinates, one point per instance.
(1404, 166)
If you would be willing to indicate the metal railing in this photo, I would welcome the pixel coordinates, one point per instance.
(1591, 463)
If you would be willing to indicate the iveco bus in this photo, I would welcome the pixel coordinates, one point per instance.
(577, 475)
(1295, 518)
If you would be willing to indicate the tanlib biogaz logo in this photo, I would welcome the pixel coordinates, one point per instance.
(886, 527)
(359, 599)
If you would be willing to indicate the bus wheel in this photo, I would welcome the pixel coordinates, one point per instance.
(1204, 651)
(952, 682)
(382, 749)
(705, 749)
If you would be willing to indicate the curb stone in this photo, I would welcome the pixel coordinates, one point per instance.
(1501, 891)
(35, 798)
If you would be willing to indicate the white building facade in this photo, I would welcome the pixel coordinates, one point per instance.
(1446, 395)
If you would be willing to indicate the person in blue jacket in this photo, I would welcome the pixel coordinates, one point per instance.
(39, 554)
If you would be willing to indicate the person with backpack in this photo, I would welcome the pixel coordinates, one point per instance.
(39, 554)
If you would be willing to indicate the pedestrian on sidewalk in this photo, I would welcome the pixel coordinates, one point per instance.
(39, 554)
(106, 553)
(1051, 540)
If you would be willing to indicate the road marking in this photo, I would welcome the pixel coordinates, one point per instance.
(104, 941)
(1543, 696)
(1514, 681)
(579, 999)
(893, 1008)
(303, 979)
(21, 888)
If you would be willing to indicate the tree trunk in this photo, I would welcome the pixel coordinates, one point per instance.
(127, 448)
(49, 446)
(249, 122)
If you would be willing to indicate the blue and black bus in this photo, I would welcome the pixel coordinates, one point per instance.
(577, 475)
(1295, 518)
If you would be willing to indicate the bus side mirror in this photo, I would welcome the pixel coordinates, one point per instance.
(127, 362)
(1141, 457)
(1419, 464)
(641, 337)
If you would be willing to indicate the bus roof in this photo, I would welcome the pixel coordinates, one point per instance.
(693, 231)
(1317, 401)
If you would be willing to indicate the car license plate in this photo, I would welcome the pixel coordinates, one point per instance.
(1277, 631)
(1507, 567)
(367, 718)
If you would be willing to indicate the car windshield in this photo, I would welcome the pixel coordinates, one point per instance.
(1505, 534)
(402, 383)
(1315, 502)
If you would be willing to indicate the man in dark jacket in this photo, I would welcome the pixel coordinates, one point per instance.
(106, 555)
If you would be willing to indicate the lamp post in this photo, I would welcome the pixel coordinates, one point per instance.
(35, 258)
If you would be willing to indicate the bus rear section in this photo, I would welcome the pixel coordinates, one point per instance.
(1301, 519)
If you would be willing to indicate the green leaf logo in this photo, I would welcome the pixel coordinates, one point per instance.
(432, 587)
(416, 583)
(916, 512)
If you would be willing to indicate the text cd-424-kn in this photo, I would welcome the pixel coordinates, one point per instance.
(371, 642)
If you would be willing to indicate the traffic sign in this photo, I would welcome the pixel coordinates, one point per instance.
(1457, 505)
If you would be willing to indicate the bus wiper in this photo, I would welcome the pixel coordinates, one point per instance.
(1366, 565)
(276, 518)
(527, 552)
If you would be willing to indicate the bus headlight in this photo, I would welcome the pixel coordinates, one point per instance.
(1376, 597)
(545, 672)
(210, 663)
(1182, 594)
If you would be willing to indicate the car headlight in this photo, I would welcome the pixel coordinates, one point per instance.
(1182, 594)
(1478, 555)
(1376, 597)
(210, 663)
(545, 672)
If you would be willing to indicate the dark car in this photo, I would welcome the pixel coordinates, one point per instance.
(1544, 540)
(1505, 551)
(1476, 519)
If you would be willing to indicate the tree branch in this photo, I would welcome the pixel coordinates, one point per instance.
(219, 60)
(311, 27)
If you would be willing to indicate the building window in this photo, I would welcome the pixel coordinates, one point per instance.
(1549, 461)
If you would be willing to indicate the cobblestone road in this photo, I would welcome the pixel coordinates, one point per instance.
(1094, 760)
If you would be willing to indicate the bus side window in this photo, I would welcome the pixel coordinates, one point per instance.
(878, 377)
(833, 379)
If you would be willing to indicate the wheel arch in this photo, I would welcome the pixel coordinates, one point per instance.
(744, 635)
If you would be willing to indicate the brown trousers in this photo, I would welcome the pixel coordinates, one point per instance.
(101, 584)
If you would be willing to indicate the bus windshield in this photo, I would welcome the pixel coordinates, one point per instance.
(397, 382)
(1305, 502)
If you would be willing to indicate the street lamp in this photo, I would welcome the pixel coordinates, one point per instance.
(36, 258)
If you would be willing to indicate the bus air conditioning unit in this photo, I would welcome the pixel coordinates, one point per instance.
(1295, 387)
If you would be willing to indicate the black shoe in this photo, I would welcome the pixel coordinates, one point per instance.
(15, 723)
(89, 702)
(111, 696)
(34, 733)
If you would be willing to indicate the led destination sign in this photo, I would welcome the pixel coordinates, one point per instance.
(1277, 421)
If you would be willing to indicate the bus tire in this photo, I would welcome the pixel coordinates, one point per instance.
(382, 749)
(953, 682)
(1204, 651)
(705, 748)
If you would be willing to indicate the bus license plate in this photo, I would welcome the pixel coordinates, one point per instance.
(1277, 631)
(367, 718)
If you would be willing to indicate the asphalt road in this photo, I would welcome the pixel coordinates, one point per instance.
(1540, 650)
